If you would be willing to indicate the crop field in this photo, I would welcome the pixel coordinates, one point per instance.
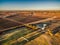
(24, 19)
(5, 24)
(25, 28)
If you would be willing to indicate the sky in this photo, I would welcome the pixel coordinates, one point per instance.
(29, 4)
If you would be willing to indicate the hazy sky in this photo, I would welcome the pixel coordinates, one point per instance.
(29, 4)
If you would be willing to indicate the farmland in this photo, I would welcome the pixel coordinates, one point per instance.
(30, 27)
